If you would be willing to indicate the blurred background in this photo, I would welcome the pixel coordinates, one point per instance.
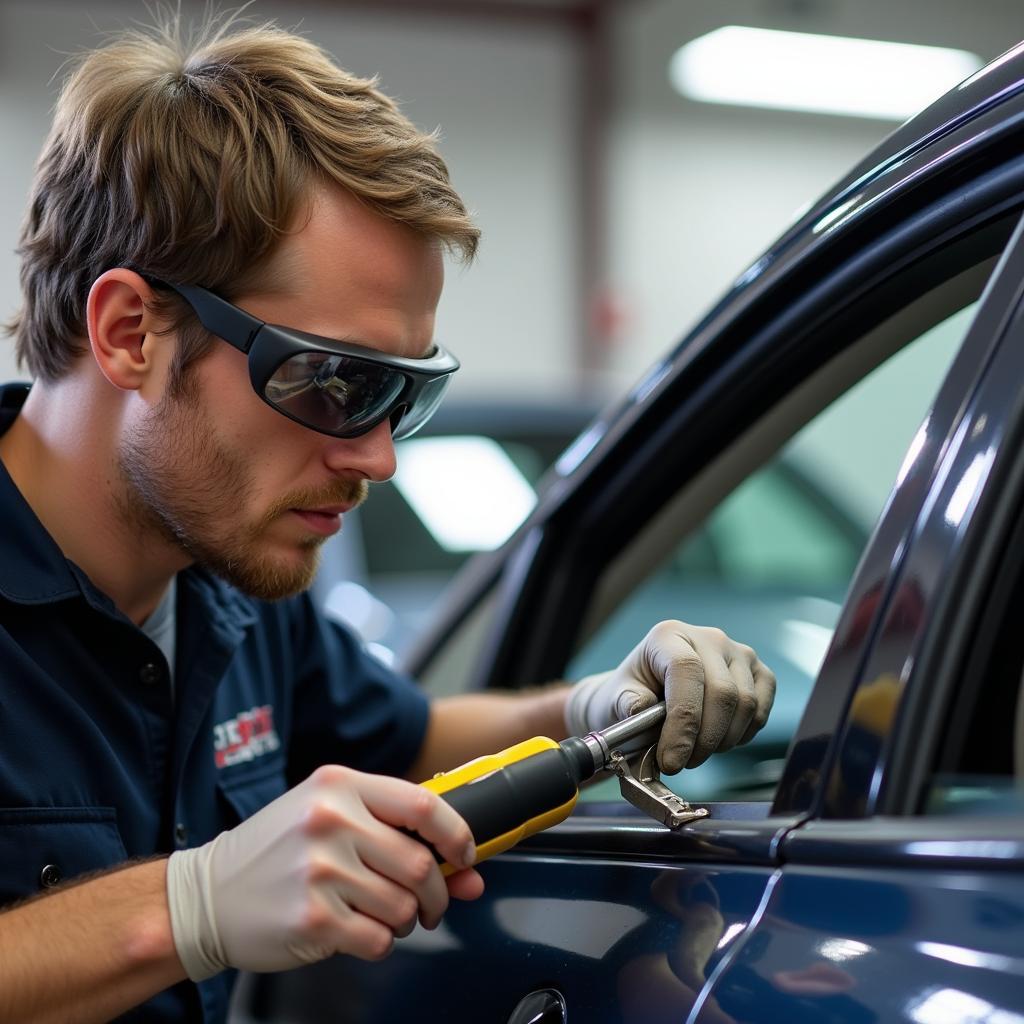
(614, 209)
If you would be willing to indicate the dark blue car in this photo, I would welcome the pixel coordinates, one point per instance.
(878, 873)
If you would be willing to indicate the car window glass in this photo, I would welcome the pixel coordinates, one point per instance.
(771, 564)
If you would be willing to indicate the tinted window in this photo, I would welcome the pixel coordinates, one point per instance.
(771, 563)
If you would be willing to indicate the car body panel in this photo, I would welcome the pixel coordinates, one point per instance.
(599, 930)
(849, 944)
(914, 919)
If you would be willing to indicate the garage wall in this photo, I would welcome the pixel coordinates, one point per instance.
(694, 193)
(698, 191)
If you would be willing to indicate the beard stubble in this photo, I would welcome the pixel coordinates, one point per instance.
(184, 486)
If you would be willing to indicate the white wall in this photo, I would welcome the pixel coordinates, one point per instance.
(502, 94)
(698, 191)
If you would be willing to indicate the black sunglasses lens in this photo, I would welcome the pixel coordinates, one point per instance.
(427, 401)
(334, 394)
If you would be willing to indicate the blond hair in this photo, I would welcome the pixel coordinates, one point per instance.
(188, 159)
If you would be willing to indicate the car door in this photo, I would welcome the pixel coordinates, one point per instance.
(902, 897)
(877, 295)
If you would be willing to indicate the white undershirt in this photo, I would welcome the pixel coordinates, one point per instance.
(159, 627)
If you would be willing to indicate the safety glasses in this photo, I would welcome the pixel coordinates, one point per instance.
(329, 386)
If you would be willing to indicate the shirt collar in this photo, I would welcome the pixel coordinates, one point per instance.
(35, 571)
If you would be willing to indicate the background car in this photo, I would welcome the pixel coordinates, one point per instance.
(384, 573)
(882, 878)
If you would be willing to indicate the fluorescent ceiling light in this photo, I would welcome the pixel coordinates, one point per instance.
(758, 67)
(466, 490)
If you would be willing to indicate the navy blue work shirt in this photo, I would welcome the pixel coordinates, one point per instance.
(100, 763)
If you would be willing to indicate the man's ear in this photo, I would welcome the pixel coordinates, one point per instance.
(119, 322)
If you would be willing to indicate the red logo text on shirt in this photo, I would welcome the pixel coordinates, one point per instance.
(248, 735)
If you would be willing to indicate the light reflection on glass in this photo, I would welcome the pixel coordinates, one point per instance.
(805, 644)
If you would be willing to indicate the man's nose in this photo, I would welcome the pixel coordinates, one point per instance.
(372, 455)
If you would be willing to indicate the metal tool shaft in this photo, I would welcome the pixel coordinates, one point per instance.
(627, 737)
(636, 727)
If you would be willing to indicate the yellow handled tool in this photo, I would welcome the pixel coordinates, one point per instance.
(533, 785)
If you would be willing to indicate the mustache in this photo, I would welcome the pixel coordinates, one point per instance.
(338, 492)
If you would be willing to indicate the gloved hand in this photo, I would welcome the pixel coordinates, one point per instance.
(321, 870)
(718, 693)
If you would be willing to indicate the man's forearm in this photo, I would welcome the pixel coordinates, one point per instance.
(473, 724)
(89, 952)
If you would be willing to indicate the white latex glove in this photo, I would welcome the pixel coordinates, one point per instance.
(718, 693)
(321, 870)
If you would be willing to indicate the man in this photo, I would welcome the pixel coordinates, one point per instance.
(166, 485)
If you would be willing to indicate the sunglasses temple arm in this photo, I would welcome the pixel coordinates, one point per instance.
(228, 322)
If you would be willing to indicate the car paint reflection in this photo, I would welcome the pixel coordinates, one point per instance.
(971, 957)
(948, 1005)
(584, 927)
(642, 954)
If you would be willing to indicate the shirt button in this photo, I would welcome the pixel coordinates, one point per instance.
(50, 876)
(149, 674)
(180, 834)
